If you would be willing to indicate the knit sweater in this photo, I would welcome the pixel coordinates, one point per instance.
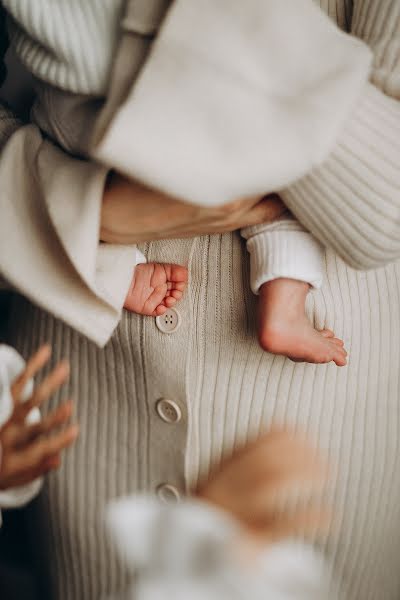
(258, 145)
(224, 386)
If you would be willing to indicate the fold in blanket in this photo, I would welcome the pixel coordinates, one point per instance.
(236, 99)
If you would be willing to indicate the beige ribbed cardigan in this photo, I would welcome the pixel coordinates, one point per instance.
(227, 388)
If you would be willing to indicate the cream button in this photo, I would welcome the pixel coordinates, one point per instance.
(169, 322)
(168, 411)
(168, 493)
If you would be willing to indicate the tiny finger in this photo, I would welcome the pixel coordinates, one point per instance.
(180, 286)
(176, 294)
(327, 333)
(169, 301)
(160, 310)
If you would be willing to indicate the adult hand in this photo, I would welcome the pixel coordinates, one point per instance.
(257, 483)
(30, 450)
(133, 213)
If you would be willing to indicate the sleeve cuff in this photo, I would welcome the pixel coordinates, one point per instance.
(50, 213)
(289, 254)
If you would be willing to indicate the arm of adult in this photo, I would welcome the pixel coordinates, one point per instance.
(133, 213)
(52, 210)
(233, 100)
(351, 203)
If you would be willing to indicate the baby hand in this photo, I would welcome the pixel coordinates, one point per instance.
(28, 451)
(155, 288)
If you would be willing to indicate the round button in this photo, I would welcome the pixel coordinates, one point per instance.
(168, 493)
(168, 411)
(169, 322)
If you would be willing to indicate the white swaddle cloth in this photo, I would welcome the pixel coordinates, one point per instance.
(189, 552)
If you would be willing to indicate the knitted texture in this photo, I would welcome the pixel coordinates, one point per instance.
(352, 202)
(227, 388)
(57, 40)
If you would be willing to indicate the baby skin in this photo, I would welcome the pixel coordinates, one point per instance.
(155, 288)
(283, 326)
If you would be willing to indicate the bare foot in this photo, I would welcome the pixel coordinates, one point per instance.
(155, 288)
(283, 327)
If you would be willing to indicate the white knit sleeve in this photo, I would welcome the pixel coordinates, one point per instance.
(190, 551)
(351, 202)
(11, 365)
(283, 249)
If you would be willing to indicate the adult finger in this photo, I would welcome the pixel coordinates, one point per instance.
(43, 392)
(25, 474)
(268, 209)
(46, 447)
(55, 419)
(34, 364)
(52, 462)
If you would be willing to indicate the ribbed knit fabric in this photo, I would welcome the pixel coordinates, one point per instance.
(57, 39)
(352, 202)
(283, 249)
(213, 367)
(227, 388)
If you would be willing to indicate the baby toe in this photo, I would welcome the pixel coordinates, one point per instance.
(340, 358)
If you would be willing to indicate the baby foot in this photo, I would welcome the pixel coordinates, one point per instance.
(285, 329)
(155, 288)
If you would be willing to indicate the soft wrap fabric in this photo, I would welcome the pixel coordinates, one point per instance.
(192, 550)
(228, 388)
(231, 104)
